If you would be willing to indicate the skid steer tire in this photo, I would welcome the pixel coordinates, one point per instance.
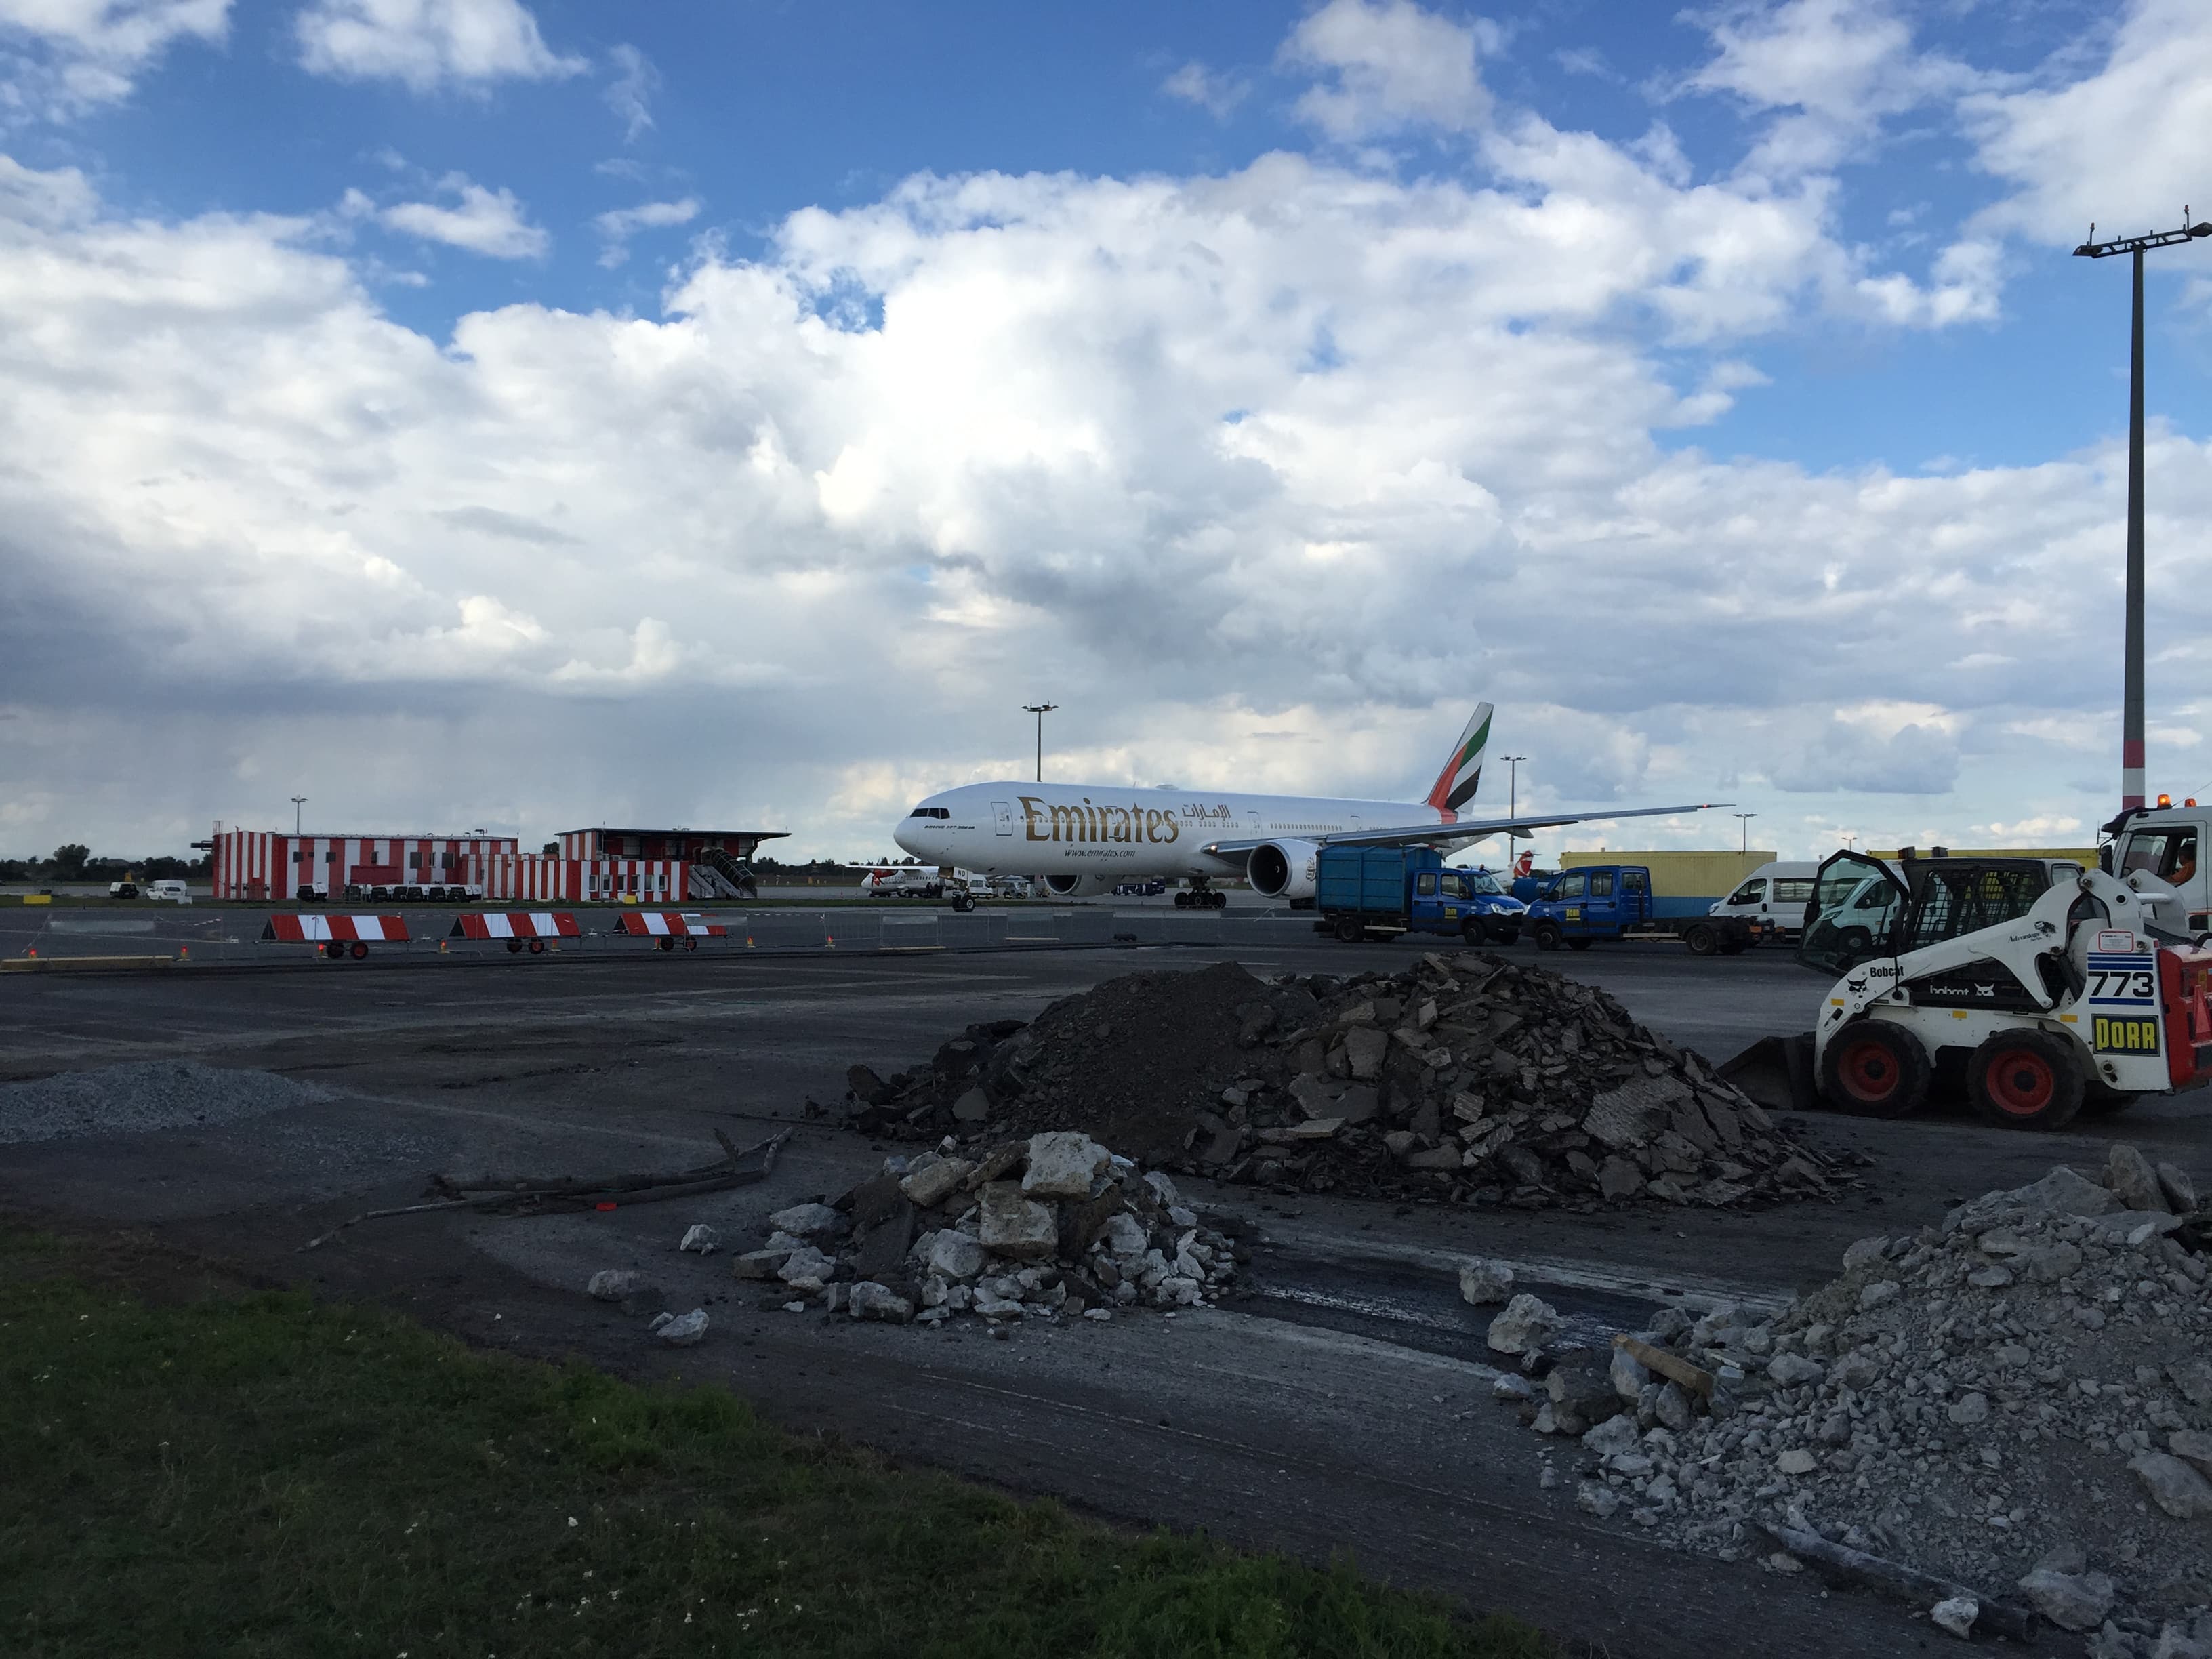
(2025, 1079)
(1548, 937)
(1873, 1069)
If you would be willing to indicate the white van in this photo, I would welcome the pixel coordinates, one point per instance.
(1774, 896)
(169, 892)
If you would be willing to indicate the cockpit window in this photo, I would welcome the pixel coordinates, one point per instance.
(930, 813)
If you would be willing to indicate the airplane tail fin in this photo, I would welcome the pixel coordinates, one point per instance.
(1463, 775)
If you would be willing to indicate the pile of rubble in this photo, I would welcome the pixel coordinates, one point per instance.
(2014, 1409)
(1471, 1080)
(1055, 1226)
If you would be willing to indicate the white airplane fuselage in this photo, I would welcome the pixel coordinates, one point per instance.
(1118, 833)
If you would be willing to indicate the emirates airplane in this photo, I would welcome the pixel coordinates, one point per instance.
(1085, 839)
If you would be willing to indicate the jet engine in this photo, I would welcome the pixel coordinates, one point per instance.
(1285, 870)
(1086, 883)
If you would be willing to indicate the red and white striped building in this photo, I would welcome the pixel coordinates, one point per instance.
(272, 865)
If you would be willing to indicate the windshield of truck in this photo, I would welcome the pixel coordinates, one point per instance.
(1481, 881)
(1568, 885)
(2169, 854)
(1750, 893)
(1857, 908)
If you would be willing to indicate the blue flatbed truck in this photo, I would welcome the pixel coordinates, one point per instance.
(1361, 891)
(1577, 907)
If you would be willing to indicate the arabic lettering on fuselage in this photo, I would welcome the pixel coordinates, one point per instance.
(1104, 822)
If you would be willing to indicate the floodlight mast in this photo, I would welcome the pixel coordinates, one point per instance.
(2131, 732)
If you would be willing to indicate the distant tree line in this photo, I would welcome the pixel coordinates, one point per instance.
(73, 862)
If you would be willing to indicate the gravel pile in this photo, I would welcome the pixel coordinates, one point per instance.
(2018, 1401)
(143, 1097)
(1474, 1080)
(1052, 1227)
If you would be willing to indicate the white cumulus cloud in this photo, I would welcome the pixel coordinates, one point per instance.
(1386, 65)
(617, 227)
(424, 44)
(61, 58)
(491, 222)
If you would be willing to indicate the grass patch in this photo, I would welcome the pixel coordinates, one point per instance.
(262, 1475)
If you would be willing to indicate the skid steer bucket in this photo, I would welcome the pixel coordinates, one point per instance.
(1776, 1072)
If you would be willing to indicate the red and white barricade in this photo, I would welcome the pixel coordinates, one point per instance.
(337, 936)
(665, 928)
(521, 929)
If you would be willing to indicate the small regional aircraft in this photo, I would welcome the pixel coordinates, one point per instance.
(1083, 839)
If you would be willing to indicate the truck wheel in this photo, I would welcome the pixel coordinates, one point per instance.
(1580, 944)
(1548, 936)
(1853, 941)
(664, 944)
(538, 947)
(1875, 1070)
(2025, 1080)
(1474, 929)
(515, 947)
(1702, 940)
(358, 951)
(1349, 930)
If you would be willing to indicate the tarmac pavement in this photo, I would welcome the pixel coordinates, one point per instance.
(1340, 1404)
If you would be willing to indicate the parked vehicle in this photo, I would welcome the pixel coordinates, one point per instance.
(904, 881)
(1150, 889)
(169, 892)
(1772, 898)
(1579, 907)
(1365, 892)
(123, 889)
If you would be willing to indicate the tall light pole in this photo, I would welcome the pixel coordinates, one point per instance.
(2131, 693)
(298, 801)
(1744, 820)
(1512, 784)
(1040, 710)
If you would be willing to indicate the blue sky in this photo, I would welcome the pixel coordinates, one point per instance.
(429, 365)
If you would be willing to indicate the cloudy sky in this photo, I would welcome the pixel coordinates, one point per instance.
(463, 412)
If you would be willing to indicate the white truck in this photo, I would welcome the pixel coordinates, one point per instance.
(2043, 988)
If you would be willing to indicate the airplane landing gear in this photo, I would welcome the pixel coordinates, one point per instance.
(1202, 898)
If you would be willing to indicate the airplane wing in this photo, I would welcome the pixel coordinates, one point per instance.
(1466, 829)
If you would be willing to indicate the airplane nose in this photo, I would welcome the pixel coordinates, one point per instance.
(899, 836)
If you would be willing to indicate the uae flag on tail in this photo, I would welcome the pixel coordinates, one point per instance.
(1462, 773)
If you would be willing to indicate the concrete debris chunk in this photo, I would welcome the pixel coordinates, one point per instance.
(1527, 1322)
(869, 1300)
(613, 1284)
(807, 1269)
(810, 1222)
(1483, 1283)
(1016, 1226)
(2129, 1178)
(700, 1238)
(1956, 1614)
(1506, 1084)
(936, 1181)
(1062, 1164)
(685, 1331)
(2076, 1601)
(760, 1264)
(2180, 1192)
(2058, 1194)
(2173, 1486)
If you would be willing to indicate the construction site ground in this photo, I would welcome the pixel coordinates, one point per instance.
(1341, 1405)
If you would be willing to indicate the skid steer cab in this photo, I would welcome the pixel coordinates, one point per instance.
(2042, 988)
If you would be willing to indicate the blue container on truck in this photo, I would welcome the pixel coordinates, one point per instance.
(1363, 891)
(1578, 907)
